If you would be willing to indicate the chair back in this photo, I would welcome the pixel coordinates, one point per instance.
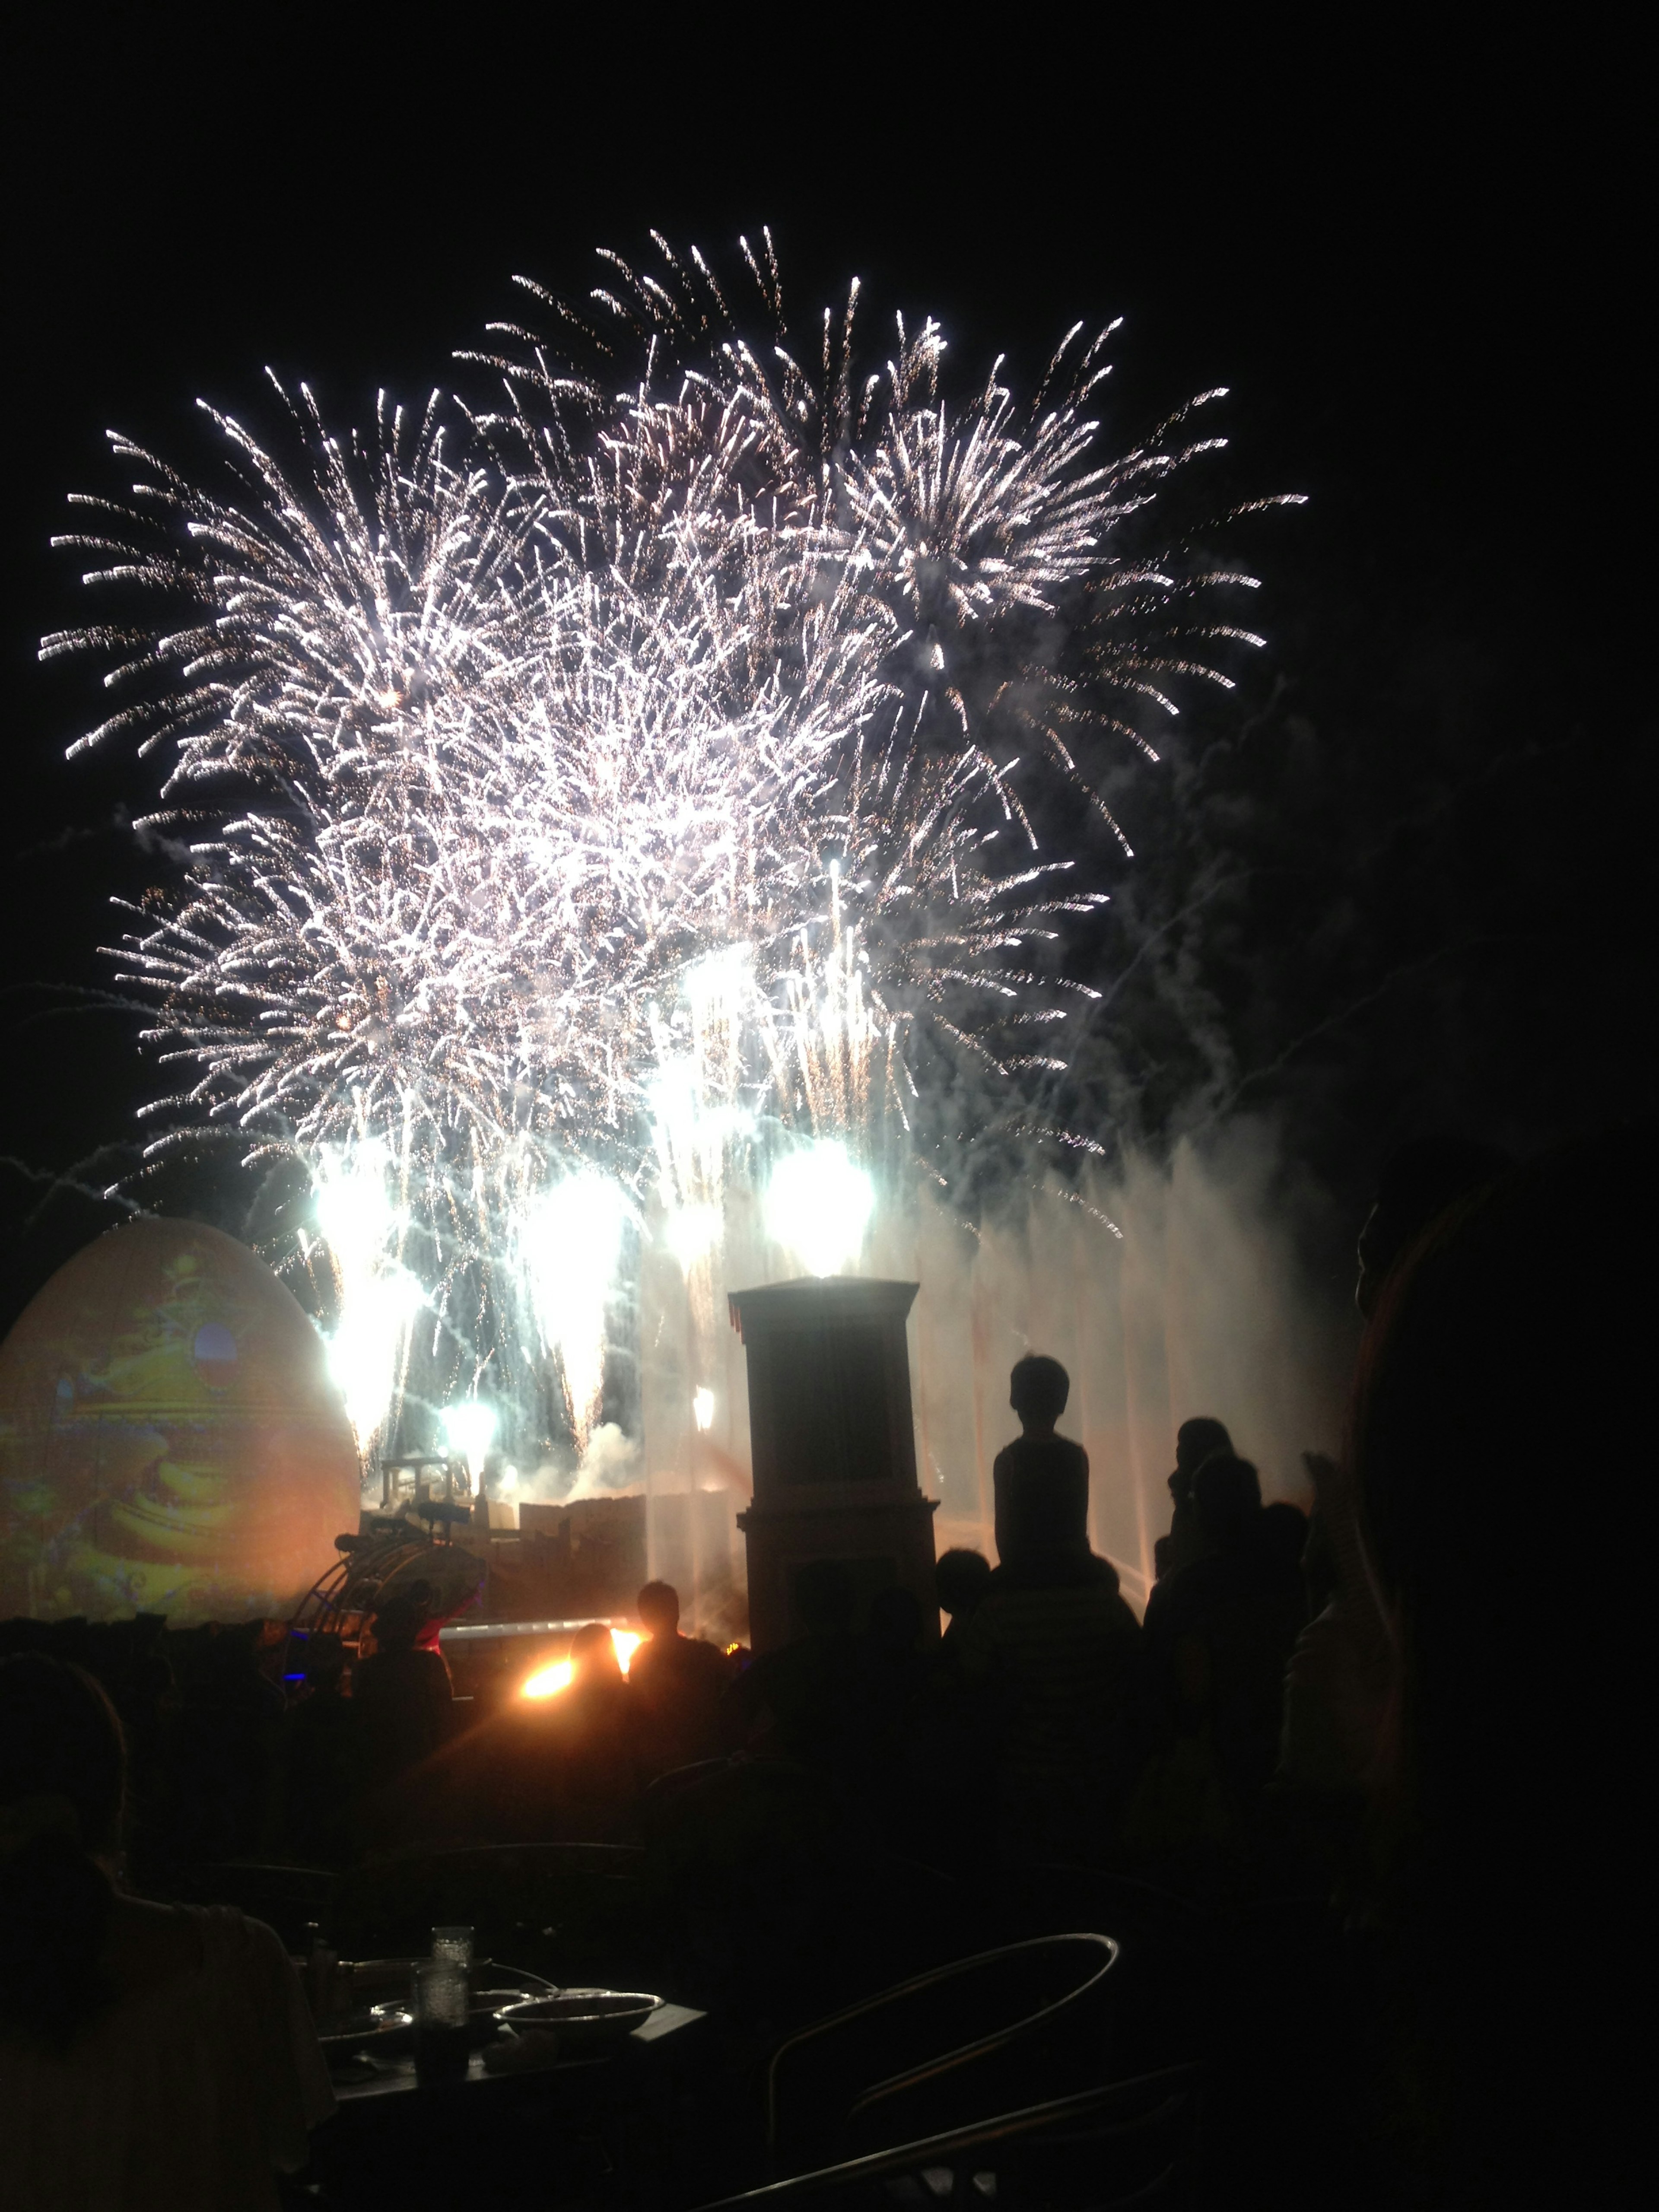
(997, 2030)
(1104, 2150)
(288, 1899)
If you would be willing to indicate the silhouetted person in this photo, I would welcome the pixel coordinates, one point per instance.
(150, 2054)
(894, 1678)
(961, 1579)
(318, 1761)
(592, 1728)
(1504, 1387)
(1041, 1478)
(1052, 1650)
(763, 1854)
(222, 1746)
(950, 1747)
(678, 1682)
(895, 1669)
(1219, 1631)
(401, 1694)
(1419, 1181)
(810, 1691)
(1196, 1440)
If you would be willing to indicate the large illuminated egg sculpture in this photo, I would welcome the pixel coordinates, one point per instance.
(170, 1438)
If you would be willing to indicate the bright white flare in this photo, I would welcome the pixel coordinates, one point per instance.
(570, 1239)
(363, 1225)
(470, 1431)
(818, 1205)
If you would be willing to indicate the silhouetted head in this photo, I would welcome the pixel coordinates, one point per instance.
(960, 1580)
(229, 1657)
(823, 1597)
(400, 1620)
(1227, 1496)
(1197, 1440)
(62, 1770)
(324, 1661)
(1419, 1181)
(1038, 1388)
(594, 1653)
(659, 1607)
(1281, 1533)
(1503, 1385)
(894, 1619)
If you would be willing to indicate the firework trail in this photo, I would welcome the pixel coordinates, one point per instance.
(590, 794)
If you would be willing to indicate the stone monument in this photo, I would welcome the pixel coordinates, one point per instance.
(833, 1447)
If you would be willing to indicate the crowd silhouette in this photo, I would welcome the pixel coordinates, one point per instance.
(1370, 1721)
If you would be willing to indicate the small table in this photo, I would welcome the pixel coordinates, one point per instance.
(595, 2125)
(395, 2077)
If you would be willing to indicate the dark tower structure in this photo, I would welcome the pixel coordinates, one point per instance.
(833, 1446)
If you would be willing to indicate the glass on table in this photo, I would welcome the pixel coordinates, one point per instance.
(454, 1944)
(440, 2031)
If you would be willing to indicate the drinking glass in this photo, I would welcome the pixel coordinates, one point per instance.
(454, 1944)
(441, 2036)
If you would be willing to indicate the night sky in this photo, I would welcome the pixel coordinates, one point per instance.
(1400, 882)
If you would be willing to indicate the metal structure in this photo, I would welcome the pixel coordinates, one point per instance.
(391, 1552)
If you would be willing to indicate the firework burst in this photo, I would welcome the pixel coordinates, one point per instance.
(589, 793)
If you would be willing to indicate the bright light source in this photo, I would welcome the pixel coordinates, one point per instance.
(692, 1231)
(470, 1431)
(702, 1409)
(363, 1228)
(355, 1213)
(570, 1238)
(818, 1204)
(549, 1681)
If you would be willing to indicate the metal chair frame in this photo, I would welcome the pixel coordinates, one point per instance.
(343, 1595)
(1090, 2113)
(1104, 1947)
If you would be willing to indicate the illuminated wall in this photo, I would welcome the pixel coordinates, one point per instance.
(170, 1440)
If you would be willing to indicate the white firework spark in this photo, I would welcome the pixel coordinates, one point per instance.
(578, 789)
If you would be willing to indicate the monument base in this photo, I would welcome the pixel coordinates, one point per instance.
(882, 1543)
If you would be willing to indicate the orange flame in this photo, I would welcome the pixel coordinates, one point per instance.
(549, 1681)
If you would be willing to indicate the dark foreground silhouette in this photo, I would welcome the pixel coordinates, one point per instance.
(1358, 1815)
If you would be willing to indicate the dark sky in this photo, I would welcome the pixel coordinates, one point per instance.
(1401, 883)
